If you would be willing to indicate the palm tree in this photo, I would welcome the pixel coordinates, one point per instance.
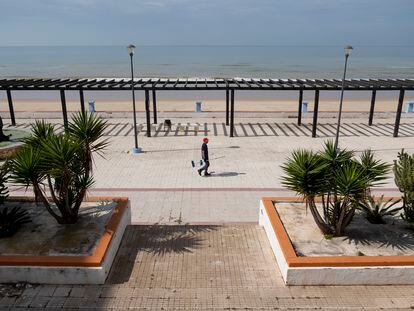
(337, 178)
(61, 163)
(88, 129)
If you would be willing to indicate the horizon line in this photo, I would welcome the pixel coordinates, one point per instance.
(206, 45)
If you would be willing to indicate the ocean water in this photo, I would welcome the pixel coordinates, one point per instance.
(203, 61)
(207, 61)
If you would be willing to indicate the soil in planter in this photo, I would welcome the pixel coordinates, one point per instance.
(361, 237)
(44, 236)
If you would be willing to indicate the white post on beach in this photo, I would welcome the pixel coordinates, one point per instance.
(348, 49)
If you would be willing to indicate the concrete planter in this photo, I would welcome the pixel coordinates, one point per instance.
(62, 269)
(329, 270)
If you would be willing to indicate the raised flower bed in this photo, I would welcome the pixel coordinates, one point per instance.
(43, 251)
(387, 261)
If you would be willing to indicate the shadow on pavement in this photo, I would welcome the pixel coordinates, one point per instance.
(226, 174)
(159, 240)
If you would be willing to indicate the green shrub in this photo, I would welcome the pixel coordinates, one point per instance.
(4, 191)
(338, 178)
(404, 179)
(376, 209)
(62, 162)
(12, 220)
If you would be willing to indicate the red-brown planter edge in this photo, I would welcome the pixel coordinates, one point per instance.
(329, 261)
(94, 260)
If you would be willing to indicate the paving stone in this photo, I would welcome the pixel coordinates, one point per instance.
(39, 301)
(109, 292)
(6, 302)
(23, 301)
(71, 302)
(62, 291)
(77, 291)
(46, 291)
(56, 302)
(31, 291)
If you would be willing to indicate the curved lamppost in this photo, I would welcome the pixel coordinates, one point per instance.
(131, 50)
(348, 49)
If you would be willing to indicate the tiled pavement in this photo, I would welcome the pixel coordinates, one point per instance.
(257, 128)
(203, 268)
(217, 267)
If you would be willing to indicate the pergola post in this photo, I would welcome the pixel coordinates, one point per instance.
(82, 100)
(154, 105)
(315, 113)
(300, 107)
(371, 109)
(11, 109)
(64, 110)
(232, 113)
(147, 112)
(227, 106)
(398, 116)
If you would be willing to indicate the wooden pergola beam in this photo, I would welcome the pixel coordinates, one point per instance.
(208, 84)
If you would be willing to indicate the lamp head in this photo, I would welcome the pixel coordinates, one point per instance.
(131, 49)
(348, 49)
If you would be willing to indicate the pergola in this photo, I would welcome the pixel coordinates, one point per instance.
(229, 85)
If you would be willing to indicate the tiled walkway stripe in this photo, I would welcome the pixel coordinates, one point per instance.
(259, 129)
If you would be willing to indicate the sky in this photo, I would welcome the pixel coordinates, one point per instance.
(206, 22)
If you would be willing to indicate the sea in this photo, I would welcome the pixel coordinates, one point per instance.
(206, 61)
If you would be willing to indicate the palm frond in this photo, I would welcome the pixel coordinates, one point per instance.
(304, 173)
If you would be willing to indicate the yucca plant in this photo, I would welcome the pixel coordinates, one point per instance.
(404, 179)
(41, 130)
(337, 178)
(88, 130)
(11, 220)
(61, 163)
(376, 170)
(4, 191)
(377, 209)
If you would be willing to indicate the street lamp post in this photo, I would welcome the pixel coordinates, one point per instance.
(348, 49)
(131, 49)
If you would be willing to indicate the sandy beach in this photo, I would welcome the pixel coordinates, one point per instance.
(384, 104)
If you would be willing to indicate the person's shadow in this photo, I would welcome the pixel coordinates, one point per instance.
(226, 174)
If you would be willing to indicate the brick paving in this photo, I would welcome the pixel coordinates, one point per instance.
(168, 265)
(211, 267)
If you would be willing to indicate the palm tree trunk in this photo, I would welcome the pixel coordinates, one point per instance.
(46, 202)
(318, 219)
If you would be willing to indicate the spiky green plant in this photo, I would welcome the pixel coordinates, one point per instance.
(4, 191)
(377, 209)
(336, 177)
(12, 220)
(40, 130)
(88, 129)
(404, 179)
(376, 170)
(62, 163)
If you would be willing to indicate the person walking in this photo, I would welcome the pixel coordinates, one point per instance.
(204, 156)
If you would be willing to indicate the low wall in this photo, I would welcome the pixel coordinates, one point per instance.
(92, 269)
(329, 270)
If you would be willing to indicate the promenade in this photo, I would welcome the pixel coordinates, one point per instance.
(195, 243)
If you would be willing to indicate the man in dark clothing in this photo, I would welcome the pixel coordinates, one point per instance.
(204, 156)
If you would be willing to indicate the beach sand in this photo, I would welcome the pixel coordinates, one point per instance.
(387, 104)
